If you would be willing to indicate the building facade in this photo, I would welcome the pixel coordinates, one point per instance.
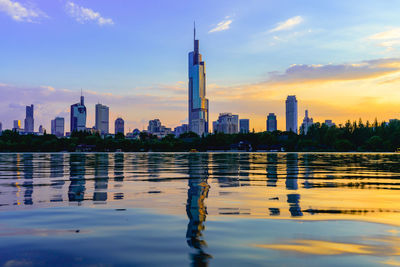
(156, 128)
(29, 121)
(307, 122)
(244, 125)
(16, 125)
(291, 114)
(329, 123)
(227, 123)
(78, 116)
(102, 119)
(184, 128)
(119, 126)
(57, 126)
(198, 103)
(272, 123)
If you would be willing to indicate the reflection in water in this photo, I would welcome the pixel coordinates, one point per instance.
(118, 174)
(100, 178)
(196, 209)
(27, 161)
(57, 176)
(76, 190)
(291, 184)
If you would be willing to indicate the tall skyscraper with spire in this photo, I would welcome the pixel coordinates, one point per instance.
(78, 116)
(198, 103)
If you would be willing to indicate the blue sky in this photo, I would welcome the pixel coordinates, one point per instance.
(139, 48)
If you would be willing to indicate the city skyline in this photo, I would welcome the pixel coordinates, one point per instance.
(349, 70)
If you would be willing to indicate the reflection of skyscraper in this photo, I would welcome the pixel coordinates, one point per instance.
(78, 116)
(119, 161)
(272, 170)
(29, 121)
(100, 177)
(57, 176)
(292, 172)
(76, 190)
(198, 103)
(196, 209)
(291, 114)
(28, 178)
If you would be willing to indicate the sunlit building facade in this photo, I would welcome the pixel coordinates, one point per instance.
(57, 127)
(102, 119)
(198, 103)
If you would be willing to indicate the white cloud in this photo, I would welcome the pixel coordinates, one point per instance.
(83, 14)
(288, 24)
(387, 39)
(222, 26)
(19, 12)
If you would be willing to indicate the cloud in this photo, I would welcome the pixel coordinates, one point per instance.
(222, 26)
(83, 14)
(288, 24)
(388, 39)
(20, 12)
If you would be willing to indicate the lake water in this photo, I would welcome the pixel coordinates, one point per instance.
(199, 209)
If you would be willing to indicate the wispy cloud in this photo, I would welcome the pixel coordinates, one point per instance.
(387, 39)
(83, 14)
(20, 12)
(288, 24)
(222, 26)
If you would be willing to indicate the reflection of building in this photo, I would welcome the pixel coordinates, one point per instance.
(119, 126)
(291, 114)
(29, 121)
(28, 178)
(78, 116)
(198, 103)
(57, 127)
(102, 119)
(118, 174)
(272, 170)
(226, 123)
(100, 177)
(76, 190)
(244, 125)
(307, 122)
(272, 124)
(196, 209)
(57, 177)
(292, 173)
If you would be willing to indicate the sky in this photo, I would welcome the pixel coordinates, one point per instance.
(340, 58)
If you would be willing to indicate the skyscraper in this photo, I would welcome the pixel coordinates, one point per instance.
(17, 125)
(291, 114)
(307, 122)
(78, 116)
(272, 123)
(1, 127)
(226, 123)
(244, 125)
(29, 121)
(102, 115)
(57, 127)
(119, 126)
(198, 103)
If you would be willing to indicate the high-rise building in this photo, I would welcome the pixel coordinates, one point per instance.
(41, 129)
(102, 115)
(291, 114)
(226, 123)
(1, 127)
(272, 123)
(307, 122)
(17, 125)
(198, 103)
(57, 127)
(119, 126)
(244, 125)
(155, 127)
(29, 121)
(184, 128)
(78, 116)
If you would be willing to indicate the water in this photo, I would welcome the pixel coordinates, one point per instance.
(178, 209)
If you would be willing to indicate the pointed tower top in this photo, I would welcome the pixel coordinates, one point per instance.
(194, 30)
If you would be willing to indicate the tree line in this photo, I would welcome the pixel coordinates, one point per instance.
(352, 136)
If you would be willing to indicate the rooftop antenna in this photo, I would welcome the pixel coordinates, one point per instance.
(194, 30)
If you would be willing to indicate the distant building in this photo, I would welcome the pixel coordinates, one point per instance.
(156, 128)
(57, 127)
(1, 127)
(226, 123)
(119, 126)
(184, 128)
(244, 125)
(291, 114)
(16, 125)
(41, 129)
(272, 123)
(307, 122)
(329, 123)
(102, 116)
(29, 121)
(198, 103)
(78, 116)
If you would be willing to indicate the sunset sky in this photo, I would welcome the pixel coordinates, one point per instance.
(340, 58)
